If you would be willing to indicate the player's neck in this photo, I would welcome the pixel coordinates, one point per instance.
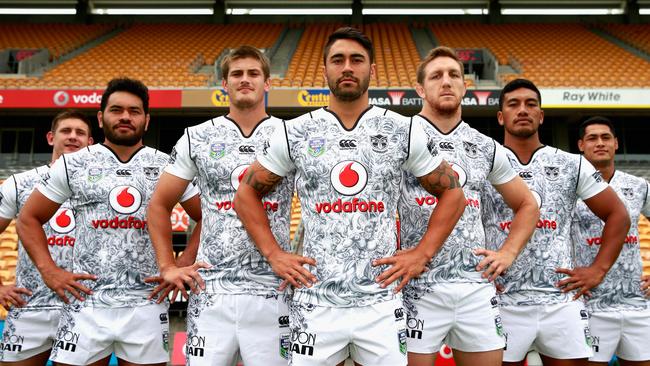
(443, 120)
(523, 147)
(247, 119)
(55, 156)
(349, 112)
(123, 152)
(606, 169)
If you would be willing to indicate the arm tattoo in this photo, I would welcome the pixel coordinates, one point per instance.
(440, 179)
(262, 181)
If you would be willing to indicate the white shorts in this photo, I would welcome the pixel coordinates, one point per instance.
(325, 336)
(136, 334)
(223, 327)
(559, 331)
(465, 316)
(28, 333)
(621, 333)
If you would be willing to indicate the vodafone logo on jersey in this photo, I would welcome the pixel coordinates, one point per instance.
(460, 173)
(349, 177)
(237, 175)
(62, 223)
(538, 198)
(125, 199)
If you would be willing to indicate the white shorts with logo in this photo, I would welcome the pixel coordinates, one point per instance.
(621, 333)
(223, 327)
(559, 331)
(136, 334)
(325, 336)
(27, 333)
(465, 316)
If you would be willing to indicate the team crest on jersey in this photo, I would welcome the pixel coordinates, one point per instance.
(431, 146)
(265, 147)
(151, 172)
(316, 146)
(95, 174)
(597, 176)
(470, 149)
(552, 172)
(217, 150)
(628, 193)
(172, 156)
(379, 143)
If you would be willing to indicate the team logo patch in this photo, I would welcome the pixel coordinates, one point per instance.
(285, 345)
(151, 172)
(94, 174)
(63, 221)
(526, 174)
(125, 199)
(470, 149)
(165, 340)
(446, 145)
(316, 146)
(628, 193)
(349, 177)
(461, 174)
(217, 150)
(237, 175)
(552, 172)
(431, 146)
(265, 147)
(247, 149)
(348, 144)
(597, 176)
(172, 156)
(401, 340)
(379, 143)
(498, 325)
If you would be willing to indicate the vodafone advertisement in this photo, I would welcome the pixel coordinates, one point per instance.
(78, 98)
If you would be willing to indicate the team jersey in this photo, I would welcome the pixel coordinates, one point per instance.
(475, 158)
(110, 200)
(218, 154)
(59, 230)
(348, 182)
(557, 179)
(621, 288)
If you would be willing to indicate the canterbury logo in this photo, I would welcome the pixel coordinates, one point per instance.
(446, 145)
(123, 173)
(348, 144)
(525, 174)
(247, 149)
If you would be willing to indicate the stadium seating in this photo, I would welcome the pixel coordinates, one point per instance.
(552, 55)
(637, 35)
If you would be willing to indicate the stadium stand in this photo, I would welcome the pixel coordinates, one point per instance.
(637, 35)
(577, 61)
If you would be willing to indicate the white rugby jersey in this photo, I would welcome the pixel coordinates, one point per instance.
(475, 158)
(218, 154)
(348, 182)
(557, 179)
(621, 288)
(110, 199)
(59, 231)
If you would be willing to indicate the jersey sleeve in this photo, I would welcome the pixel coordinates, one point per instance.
(275, 154)
(55, 185)
(422, 159)
(191, 191)
(8, 195)
(502, 171)
(590, 182)
(180, 160)
(645, 210)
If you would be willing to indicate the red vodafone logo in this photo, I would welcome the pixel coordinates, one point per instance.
(460, 173)
(237, 175)
(349, 177)
(125, 199)
(63, 221)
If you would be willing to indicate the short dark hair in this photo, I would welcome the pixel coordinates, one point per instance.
(351, 34)
(440, 51)
(245, 52)
(133, 86)
(518, 84)
(71, 114)
(595, 120)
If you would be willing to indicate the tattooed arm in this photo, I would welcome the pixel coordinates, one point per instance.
(257, 182)
(442, 183)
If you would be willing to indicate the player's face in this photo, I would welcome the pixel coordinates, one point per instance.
(245, 83)
(123, 121)
(444, 85)
(521, 114)
(598, 144)
(71, 135)
(348, 70)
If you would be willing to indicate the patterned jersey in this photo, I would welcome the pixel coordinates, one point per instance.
(621, 288)
(59, 231)
(110, 199)
(557, 179)
(348, 182)
(218, 154)
(475, 158)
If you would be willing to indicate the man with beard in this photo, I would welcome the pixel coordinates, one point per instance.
(109, 186)
(34, 314)
(619, 312)
(453, 302)
(538, 305)
(348, 160)
(241, 312)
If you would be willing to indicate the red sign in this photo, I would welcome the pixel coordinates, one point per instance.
(445, 357)
(180, 219)
(12, 98)
(178, 353)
